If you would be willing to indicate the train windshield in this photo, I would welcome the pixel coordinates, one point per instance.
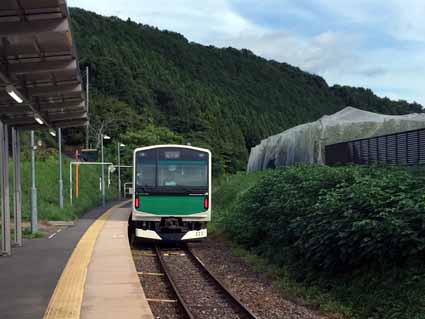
(172, 170)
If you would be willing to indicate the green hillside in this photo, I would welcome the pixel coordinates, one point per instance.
(154, 86)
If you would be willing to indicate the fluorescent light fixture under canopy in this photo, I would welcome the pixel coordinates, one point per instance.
(38, 119)
(14, 93)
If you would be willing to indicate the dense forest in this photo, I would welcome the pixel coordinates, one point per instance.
(151, 86)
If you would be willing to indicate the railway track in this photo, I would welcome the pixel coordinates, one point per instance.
(192, 290)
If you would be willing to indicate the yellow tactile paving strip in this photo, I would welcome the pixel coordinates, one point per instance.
(67, 298)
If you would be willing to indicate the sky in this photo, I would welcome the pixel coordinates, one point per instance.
(377, 44)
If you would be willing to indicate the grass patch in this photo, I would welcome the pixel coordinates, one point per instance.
(47, 176)
(26, 233)
(227, 190)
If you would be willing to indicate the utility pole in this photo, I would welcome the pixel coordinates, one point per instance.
(103, 170)
(119, 170)
(119, 145)
(34, 213)
(60, 168)
(87, 106)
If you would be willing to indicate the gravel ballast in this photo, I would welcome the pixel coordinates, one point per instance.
(253, 289)
(156, 287)
(203, 296)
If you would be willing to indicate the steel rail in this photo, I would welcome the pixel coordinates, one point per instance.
(173, 284)
(244, 310)
(235, 299)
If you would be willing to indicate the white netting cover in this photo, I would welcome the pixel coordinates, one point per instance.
(305, 143)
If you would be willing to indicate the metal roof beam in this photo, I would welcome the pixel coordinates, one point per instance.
(34, 126)
(8, 107)
(53, 113)
(61, 124)
(20, 110)
(62, 105)
(3, 75)
(54, 90)
(67, 116)
(25, 120)
(43, 67)
(15, 110)
(70, 123)
(26, 28)
(51, 56)
(56, 102)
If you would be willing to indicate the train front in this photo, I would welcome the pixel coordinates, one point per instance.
(172, 193)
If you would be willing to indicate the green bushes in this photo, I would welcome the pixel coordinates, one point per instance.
(378, 219)
(226, 190)
(333, 219)
(348, 239)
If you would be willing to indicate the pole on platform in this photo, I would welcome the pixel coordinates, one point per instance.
(60, 168)
(87, 107)
(4, 180)
(103, 171)
(77, 181)
(34, 213)
(70, 183)
(2, 213)
(119, 170)
(17, 195)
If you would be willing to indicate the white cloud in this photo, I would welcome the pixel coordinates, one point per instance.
(316, 54)
(392, 72)
(199, 21)
(359, 11)
(402, 19)
(409, 22)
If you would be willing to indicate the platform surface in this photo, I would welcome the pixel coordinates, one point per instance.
(112, 288)
(29, 277)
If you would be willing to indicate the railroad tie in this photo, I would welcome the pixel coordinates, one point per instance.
(174, 254)
(143, 273)
(161, 300)
(146, 255)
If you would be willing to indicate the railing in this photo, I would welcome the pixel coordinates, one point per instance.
(405, 148)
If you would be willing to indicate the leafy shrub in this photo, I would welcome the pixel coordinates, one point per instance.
(333, 219)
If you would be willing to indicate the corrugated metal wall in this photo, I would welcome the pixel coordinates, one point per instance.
(405, 148)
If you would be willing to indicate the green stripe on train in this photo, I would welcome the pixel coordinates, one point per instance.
(171, 205)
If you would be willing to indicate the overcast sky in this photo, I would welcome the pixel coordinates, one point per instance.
(378, 44)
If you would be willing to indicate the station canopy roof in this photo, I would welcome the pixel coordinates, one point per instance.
(39, 75)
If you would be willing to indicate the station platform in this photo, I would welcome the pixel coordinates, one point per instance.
(87, 271)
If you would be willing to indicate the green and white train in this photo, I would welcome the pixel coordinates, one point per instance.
(171, 193)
